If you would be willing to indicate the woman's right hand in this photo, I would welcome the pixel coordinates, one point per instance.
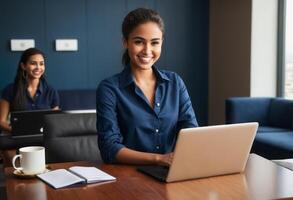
(164, 159)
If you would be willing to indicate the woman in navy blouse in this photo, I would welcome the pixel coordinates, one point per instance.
(141, 109)
(30, 90)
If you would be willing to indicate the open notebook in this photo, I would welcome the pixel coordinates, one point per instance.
(60, 178)
(287, 163)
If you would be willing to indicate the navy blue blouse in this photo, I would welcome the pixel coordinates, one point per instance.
(46, 97)
(126, 119)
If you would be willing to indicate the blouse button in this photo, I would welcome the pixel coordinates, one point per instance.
(158, 104)
(158, 147)
(157, 130)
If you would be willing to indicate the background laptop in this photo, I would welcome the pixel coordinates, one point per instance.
(207, 151)
(29, 123)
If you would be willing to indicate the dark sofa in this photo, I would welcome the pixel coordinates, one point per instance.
(274, 139)
(81, 99)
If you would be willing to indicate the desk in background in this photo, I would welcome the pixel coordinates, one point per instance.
(8, 142)
(262, 180)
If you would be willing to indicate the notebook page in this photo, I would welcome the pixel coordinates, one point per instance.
(288, 163)
(60, 178)
(91, 174)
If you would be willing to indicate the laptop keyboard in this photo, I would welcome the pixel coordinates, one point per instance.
(159, 172)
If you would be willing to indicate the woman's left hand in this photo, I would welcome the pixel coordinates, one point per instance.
(165, 159)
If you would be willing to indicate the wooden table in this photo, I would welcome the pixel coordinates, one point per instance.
(262, 180)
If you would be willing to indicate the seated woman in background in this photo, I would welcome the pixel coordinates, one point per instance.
(141, 110)
(30, 90)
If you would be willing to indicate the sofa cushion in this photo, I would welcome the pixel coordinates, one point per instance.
(269, 129)
(246, 109)
(274, 145)
(281, 113)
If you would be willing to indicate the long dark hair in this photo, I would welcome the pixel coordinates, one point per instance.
(135, 18)
(20, 81)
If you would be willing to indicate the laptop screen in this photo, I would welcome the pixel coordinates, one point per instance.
(29, 123)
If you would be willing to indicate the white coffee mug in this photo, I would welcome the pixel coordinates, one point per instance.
(32, 160)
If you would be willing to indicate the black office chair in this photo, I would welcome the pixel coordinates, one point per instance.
(71, 137)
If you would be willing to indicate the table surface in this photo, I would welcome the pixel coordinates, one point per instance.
(262, 179)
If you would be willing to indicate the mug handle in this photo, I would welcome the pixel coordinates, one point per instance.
(13, 162)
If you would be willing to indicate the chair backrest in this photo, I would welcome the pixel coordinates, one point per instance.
(71, 137)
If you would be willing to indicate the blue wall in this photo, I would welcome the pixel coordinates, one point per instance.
(96, 24)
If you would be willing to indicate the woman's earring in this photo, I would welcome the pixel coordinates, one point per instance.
(24, 74)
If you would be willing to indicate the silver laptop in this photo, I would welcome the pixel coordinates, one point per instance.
(207, 151)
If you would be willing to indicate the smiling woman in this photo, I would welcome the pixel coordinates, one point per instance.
(144, 45)
(141, 109)
(30, 90)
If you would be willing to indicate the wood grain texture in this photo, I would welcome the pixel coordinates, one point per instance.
(262, 180)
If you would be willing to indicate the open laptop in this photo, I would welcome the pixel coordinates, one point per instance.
(29, 123)
(207, 151)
